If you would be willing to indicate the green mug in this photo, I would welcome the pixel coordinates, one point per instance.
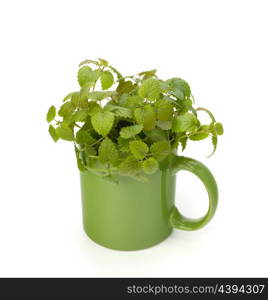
(133, 215)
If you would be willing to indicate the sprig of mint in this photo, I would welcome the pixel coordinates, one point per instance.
(127, 125)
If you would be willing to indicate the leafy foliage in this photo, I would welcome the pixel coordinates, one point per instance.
(139, 149)
(130, 131)
(130, 124)
(51, 114)
(102, 122)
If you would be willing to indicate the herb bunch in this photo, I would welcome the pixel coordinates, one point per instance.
(128, 125)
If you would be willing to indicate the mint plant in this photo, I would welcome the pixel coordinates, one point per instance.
(128, 125)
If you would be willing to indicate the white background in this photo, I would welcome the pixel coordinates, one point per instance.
(219, 47)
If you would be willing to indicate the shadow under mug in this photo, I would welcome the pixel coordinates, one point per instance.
(133, 215)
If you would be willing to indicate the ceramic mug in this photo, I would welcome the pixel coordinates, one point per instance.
(133, 215)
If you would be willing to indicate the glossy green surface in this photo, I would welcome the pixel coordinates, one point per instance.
(133, 215)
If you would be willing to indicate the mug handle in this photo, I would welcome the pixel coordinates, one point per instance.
(177, 220)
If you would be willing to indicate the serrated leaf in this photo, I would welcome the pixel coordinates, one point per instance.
(51, 114)
(165, 125)
(84, 75)
(103, 62)
(184, 122)
(123, 144)
(130, 131)
(87, 77)
(150, 89)
(219, 128)
(119, 111)
(80, 115)
(83, 137)
(160, 150)
(125, 87)
(80, 99)
(65, 133)
(178, 94)
(156, 135)
(164, 110)
(107, 80)
(145, 116)
(116, 72)
(138, 149)
(108, 152)
(130, 166)
(90, 150)
(208, 112)
(147, 74)
(133, 101)
(150, 165)
(180, 87)
(201, 134)
(69, 96)
(183, 142)
(102, 122)
(88, 61)
(100, 95)
(53, 133)
(66, 109)
(93, 108)
(214, 143)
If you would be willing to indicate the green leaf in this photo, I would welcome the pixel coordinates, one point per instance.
(66, 110)
(53, 133)
(65, 133)
(103, 62)
(125, 87)
(130, 131)
(94, 108)
(164, 110)
(219, 128)
(80, 115)
(150, 165)
(123, 144)
(90, 150)
(145, 116)
(180, 87)
(183, 142)
(184, 122)
(102, 122)
(133, 101)
(80, 99)
(69, 96)
(87, 77)
(116, 72)
(147, 74)
(84, 75)
(138, 149)
(156, 134)
(107, 80)
(51, 114)
(89, 61)
(100, 95)
(201, 134)
(84, 137)
(130, 166)
(150, 89)
(119, 111)
(165, 125)
(214, 143)
(160, 150)
(108, 152)
(208, 112)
